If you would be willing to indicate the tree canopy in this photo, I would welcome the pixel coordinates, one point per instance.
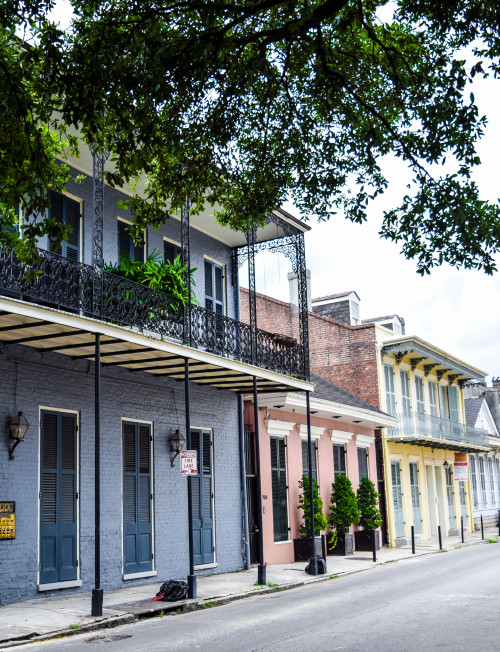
(245, 104)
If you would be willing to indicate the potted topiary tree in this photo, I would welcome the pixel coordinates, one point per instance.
(370, 518)
(302, 547)
(343, 513)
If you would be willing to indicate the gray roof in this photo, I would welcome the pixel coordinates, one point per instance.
(472, 408)
(330, 392)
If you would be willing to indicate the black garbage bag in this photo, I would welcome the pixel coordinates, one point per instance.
(321, 565)
(172, 591)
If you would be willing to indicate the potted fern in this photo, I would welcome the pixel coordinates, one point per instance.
(302, 547)
(370, 518)
(344, 512)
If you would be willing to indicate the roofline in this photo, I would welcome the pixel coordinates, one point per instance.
(293, 220)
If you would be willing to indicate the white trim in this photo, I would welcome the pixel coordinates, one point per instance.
(316, 431)
(396, 457)
(214, 564)
(340, 436)
(279, 428)
(364, 441)
(214, 261)
(61, 318)
(137, 576)
(174, 242)
(59, 585)
(414, 458)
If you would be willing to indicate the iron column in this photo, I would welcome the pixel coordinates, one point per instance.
(192, 593)
(313, 562)
(261, 572)
(97, 592)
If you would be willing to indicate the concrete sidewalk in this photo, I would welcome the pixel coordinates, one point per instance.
(63, 615)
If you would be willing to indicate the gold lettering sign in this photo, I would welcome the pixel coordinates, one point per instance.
(8, 520)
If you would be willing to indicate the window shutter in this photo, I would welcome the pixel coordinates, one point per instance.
(123, 240)
(218, 283)
(305, 459)
(57, 214)
(168, 251)
(453, 403)
(14, 228)
(73, 220)
(138, 249)
(209, 304)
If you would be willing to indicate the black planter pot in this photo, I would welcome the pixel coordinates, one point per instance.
(363, 540)
(344, 545)
(302, 548)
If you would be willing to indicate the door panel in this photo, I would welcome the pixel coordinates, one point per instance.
(58, 508)
(137, 497)
(202, 499)
(397, 498)
(251, 480)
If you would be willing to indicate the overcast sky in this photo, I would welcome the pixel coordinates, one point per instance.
(457, 310)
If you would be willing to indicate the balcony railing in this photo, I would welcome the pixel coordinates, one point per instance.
(68, 285)
(419, 424)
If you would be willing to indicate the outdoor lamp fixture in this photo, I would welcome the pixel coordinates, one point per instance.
(446, 466)
(18, 428)
(176, 441)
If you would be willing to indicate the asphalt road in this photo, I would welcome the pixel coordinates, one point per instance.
(445, 601)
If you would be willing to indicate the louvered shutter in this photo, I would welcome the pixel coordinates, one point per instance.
(453, 404)
(279, 489)
(339, 459)
(305, 459)
(58, 511)
(171, 251)
(209, 292)
(201, 497)
(219, 291)
(66, 211)
(138, 249)
(57, 214)
(362, 463)
(123, 240)
(137, 492)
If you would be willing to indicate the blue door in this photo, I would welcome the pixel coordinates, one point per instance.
(137, 498)
(58, 498)
(202, 499)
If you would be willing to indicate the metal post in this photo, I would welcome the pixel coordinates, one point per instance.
(499, 522)
(412, 539)
(97, 231)
(313, 561)
(243, 479)
(186, 261)
(97, 592)
(374, 545)
(301, 272)
(252, 301)
(192, 593)
(261, 571)
(482, 527)
(440, 539)
(462, 527)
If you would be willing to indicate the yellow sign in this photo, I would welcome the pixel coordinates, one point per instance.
(7, 520)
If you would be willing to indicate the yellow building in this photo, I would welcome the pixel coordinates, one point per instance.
(422, 386)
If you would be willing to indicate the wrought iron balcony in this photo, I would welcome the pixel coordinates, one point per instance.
(68, 285)
(428, 430)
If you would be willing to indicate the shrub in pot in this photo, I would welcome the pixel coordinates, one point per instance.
(370, 518)
(344, 512)
(302, 546)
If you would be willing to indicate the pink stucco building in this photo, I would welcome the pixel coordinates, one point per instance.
(342, 427)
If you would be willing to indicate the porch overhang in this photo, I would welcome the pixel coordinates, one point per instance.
(440, 444)
(50, 330)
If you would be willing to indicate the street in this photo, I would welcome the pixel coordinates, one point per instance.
(445, 601)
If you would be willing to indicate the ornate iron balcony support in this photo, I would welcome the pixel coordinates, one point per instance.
(97, 230)
(252, 307)
(301, 271)
(186, 261)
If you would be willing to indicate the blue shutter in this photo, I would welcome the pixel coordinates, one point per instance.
(66, 211)
(58, 510)
(202, 503)
(137, 491)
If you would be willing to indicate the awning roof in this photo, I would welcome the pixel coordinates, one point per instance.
(419, 353)
(72, 335)
(445, 444)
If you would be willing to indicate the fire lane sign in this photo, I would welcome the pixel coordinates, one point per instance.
(460, 470)
(189, 463)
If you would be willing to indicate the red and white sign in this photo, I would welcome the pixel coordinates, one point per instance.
(189, 463)
(460, 469)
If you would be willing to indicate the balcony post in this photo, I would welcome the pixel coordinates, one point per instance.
(261, 570)
(252, 307)
(97, 592)
(192, 590)
(98, 161)
(186, 261)
(313, 562)
(301, 271)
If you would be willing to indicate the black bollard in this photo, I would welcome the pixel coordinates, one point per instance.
(412, 539)
(482, 527)
(440, 540)
(499, 522)
(462, 528)
(374, 546)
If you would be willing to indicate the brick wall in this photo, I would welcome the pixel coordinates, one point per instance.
(31, 380)
(343, 354)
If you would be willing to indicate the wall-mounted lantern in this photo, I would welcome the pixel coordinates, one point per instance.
(18, 428)
(176, 441)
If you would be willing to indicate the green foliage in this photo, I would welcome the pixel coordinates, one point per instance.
(369, 513)
(242, 105)
(320, 520)
(166, 276)
(344, 510)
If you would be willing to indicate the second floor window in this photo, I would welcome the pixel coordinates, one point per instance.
(66, 211)
(171, 251)
(432, 398)
(405, 392)
(214, 287)
(419, 390)
(126, 244)
(305, 459)
(453, 404)
(390, 396)
(15, 228)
